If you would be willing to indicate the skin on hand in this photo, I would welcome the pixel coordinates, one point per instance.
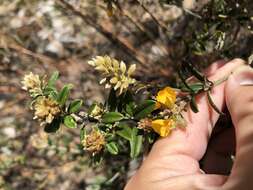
(173, 163)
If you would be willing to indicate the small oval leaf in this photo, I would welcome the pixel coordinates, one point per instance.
(196, 87)
(135, 143)
(54, 126)
(53, 79)
(75, 106)
(82, 133)
(64, 94)
(213, 104)
(125, 132)
(69, 121)
(112, 148)
(112, 117)
(144, 109)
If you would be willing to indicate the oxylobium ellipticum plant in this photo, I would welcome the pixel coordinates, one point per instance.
(107, 127)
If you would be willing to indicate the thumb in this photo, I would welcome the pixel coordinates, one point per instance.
(239, 99)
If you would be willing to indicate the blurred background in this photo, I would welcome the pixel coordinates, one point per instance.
(41, 36)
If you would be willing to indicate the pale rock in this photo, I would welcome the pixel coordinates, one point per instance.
(10, 132)
(56, 47)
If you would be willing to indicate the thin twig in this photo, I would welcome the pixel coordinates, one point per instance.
(140, 27)
(161, 25)
(120, 42)
(7, 42)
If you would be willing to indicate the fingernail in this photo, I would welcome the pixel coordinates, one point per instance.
(243, 76)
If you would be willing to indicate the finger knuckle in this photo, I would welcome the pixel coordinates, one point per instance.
(238, 60)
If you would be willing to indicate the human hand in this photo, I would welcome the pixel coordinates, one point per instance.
(173, 163)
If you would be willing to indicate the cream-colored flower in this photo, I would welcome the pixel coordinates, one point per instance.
(46, 109)
(31, 81)
(94, 142)
(115, 72)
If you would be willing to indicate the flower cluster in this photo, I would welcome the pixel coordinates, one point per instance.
(170, 112)
(46, 109)
(94, 142)
(115, 73)
(33, 84)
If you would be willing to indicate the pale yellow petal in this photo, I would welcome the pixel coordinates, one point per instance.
(166, 97)
(102, 81)
(114, 80)
(108, 86)
(162, 126)
(92, 63)
(122, 67)
(117, 85)
(131, 69)
(115, 64)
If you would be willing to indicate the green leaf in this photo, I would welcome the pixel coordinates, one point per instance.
(197, 87)
(186, 87)
(53, 79)
(112, 117)
(213, 104)
(135, 140)
(135, 143)
(48, 90)
(54, 126)
(75, 106)
(64, 94)
(125, 132)
(69, 121)
(194, 88)
(51, 92)
(144, 109)
(92, 107)
(112, 148)
(82, 134)
(193, 105)
(130, 109)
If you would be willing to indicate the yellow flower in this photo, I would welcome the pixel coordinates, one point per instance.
(46, 109)
(163, 126)
(94, 142)
(166, 98)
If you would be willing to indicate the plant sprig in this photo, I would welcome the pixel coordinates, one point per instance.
(122, 124)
